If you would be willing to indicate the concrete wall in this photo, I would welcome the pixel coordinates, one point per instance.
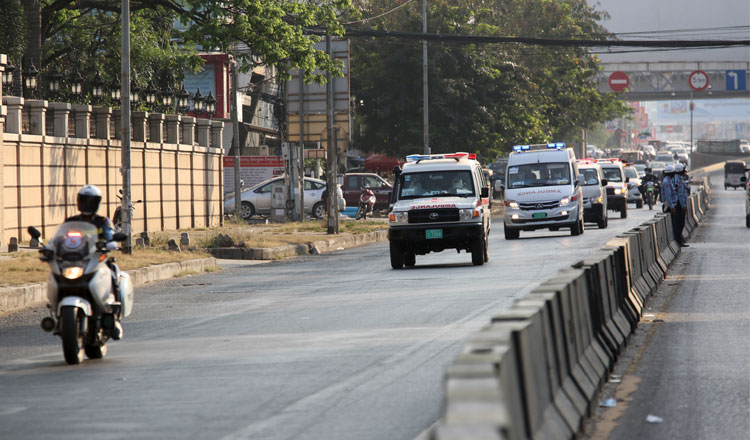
(40, 173)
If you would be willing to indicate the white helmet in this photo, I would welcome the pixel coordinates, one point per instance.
(88, 200)
(669, 169)
(678, 168)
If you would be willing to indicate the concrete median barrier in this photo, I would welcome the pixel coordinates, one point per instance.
(535, 370)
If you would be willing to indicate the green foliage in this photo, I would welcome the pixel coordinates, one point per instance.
(483, 98)
(272, 31)
(12, 36)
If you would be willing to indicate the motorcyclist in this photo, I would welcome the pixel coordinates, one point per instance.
(675, 201)
(681, 171)
(88, 200)
(650, 177)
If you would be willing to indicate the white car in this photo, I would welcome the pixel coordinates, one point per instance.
(257, 199)
(634, 183)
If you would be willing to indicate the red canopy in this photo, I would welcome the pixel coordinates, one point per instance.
(379, 162)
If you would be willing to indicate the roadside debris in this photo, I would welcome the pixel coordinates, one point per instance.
(654, 419)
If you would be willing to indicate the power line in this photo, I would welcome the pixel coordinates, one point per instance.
(365, 20)
(481, 39)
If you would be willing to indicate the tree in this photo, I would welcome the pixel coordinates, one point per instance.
(483, 98)
(85, 34)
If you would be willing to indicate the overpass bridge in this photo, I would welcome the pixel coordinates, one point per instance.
(662, 81)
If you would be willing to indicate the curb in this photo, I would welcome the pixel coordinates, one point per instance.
(295, 250)
(30, 295)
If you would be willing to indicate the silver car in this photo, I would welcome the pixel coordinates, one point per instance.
(257, 199)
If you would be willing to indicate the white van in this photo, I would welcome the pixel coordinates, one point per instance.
(542, 190)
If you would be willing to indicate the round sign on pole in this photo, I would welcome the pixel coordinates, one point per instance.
(698, 80)
(619, 81)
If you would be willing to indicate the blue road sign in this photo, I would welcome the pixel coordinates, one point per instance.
(736, 80)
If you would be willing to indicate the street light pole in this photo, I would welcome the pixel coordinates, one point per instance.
(425, 94)
(125, 112)
(692, 107)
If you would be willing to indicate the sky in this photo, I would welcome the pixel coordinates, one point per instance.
(683, 19)
(678, 19)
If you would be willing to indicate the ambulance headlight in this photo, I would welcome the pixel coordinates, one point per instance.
(511, 204)
(468, 214)
(564, 201)
(398, 217)
(618, 191)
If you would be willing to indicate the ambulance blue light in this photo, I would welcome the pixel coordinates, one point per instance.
(521, 147)
(556, 145)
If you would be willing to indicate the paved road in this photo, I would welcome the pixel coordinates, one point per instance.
(689, 362)
(335, 346)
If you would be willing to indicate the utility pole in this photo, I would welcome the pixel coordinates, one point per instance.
(236, 141)
(302, 144)
(425, 94)
(125, 107)
(331, 187)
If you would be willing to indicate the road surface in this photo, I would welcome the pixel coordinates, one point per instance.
(335, 346)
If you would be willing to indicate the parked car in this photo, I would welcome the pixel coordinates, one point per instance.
(257, 199)
(352, 188)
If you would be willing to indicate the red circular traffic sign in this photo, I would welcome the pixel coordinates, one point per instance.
(698, 80)
(619, 81)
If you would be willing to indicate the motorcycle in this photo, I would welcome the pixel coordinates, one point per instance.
(650, 194)
(80, 292)
(366, 203)
(117, 216)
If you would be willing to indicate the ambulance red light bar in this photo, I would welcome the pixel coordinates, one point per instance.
(456, 156)
(586, 161)
(612, 159)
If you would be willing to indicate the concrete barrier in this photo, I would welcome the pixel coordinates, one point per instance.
(535, 370)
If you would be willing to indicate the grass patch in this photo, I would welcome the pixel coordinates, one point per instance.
(25, 268)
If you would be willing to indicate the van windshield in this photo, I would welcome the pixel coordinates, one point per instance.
(538, 174)
(590, 176)
(612, 174)
(436, 183)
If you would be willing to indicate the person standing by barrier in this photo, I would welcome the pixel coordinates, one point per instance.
(682, 194)
(674, 197)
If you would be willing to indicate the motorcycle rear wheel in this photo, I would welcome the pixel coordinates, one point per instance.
(71, 319)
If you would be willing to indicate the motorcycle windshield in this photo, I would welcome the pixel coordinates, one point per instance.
(74, 241)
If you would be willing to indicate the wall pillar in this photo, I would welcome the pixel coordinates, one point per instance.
(204, 132)
(14, 114)
(139, 125)
(37, 116)
(217, 134)
(156, 124)
(117, 116)
(188, 130)
(83, 120)
(173, 129)
(62, 115)
(102, 116)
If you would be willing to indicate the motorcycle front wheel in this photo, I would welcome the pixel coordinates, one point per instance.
(71, 320)
(360, 213)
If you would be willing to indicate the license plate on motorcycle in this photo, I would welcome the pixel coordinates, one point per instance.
(539, 215)
(433, 233)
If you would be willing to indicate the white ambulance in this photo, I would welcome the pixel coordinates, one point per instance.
(441, 202)
(543, 190)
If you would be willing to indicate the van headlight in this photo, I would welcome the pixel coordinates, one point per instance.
(511, 204)
(468, 214)
(618, 191)
(73, 272)
(564, 201)
(399, 217)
